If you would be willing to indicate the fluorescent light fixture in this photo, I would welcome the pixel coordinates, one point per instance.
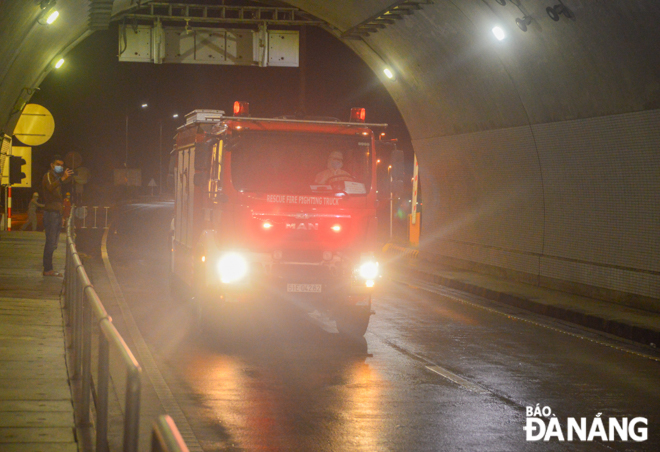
(59, 63)
(52, 17)
(388, 73)
(175, 115)
(145, 105)
(499, 33)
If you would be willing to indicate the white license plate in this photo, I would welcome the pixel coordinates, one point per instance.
(314, 288)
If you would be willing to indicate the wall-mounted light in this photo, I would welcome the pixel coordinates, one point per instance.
(555, 11)
(522, 22)
(58, 64)
(48, 13)
(499, 33)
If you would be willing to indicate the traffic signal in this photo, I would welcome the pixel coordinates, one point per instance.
(15, 173)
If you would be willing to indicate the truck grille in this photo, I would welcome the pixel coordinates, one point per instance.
(301, 272)
(308, 256)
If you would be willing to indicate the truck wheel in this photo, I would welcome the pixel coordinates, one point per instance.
(353, 321)
(212, 315)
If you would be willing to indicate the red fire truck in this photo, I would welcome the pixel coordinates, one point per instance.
(277, 207)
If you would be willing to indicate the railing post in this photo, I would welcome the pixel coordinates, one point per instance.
(75, 325)
(67, 265)
(86, 358)
(132, 416)
(102, 394)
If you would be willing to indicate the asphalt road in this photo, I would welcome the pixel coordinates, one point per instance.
(437, 370)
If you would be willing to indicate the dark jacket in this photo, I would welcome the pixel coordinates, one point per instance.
(52, 191)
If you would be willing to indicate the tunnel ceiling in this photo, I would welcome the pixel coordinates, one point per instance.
(452, 75)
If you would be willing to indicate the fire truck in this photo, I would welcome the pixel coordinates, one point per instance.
(276, 208)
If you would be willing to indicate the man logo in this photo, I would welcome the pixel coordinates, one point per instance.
(303, 226)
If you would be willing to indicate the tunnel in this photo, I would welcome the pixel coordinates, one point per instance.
(538, 152)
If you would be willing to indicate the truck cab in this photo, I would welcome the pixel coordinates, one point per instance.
(277, 207)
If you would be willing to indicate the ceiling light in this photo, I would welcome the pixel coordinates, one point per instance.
(175, 115)
(388, 73)
(499, 33)
(59, 63)
(48, 13)
(52, 17)
(145, 105)
(523, 22)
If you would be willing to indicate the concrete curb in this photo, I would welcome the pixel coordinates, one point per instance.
(618, 328)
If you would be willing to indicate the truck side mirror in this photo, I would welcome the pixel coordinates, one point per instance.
(397, 165)
(384, 147)
(203, 155)
(397, 188)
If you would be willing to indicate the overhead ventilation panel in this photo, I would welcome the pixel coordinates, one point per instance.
(388, 16)
(196, 34)
(100, 12)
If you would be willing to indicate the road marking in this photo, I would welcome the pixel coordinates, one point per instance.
(147, 361)
(451, 376)
(445, 292)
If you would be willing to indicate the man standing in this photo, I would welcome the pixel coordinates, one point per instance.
(32, 212)
(52, 193)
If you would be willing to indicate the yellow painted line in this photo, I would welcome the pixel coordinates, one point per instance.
(451, 376)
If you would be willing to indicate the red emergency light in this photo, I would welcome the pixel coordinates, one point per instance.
(241, 108)
(358, 114)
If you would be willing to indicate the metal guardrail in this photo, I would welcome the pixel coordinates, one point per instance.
(84, 311)
(165, 436)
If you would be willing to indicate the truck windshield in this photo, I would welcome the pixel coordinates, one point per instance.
(278, 162)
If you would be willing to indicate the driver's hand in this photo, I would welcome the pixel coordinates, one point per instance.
(67, 174)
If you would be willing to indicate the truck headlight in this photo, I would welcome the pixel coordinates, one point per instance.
(232, 267)
(368, 270)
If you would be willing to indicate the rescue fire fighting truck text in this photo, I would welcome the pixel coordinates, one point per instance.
(294, 199)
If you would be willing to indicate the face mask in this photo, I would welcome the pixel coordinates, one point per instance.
(58, 169)
(335, 164)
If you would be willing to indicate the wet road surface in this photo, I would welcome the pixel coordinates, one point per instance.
(437, 370)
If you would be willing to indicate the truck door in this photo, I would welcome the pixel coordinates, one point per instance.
(184, 197)
(215, 181)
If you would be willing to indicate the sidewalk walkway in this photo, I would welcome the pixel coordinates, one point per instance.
(36, 411)
(623, 321)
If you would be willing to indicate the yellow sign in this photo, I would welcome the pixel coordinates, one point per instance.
(26, 153)
(35, 126)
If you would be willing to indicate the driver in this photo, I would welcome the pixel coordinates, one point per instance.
(334, 173)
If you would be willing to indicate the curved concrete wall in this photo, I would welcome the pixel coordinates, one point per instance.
(28, 50)
(538, 154)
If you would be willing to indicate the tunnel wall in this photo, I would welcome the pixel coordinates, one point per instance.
(570, 204)
(538, 154)
(29, 48)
